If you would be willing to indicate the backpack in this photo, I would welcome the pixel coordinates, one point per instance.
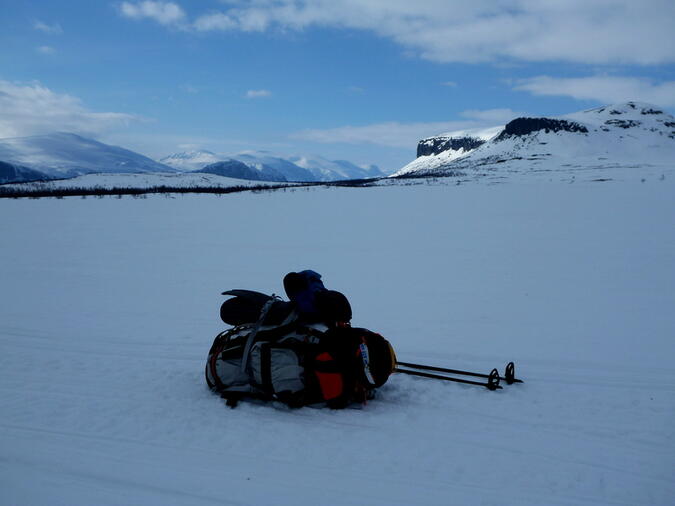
(299, 365)
(302, 352)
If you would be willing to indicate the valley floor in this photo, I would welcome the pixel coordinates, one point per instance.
(108, 308)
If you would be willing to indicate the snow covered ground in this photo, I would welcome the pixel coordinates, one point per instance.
(108, 308)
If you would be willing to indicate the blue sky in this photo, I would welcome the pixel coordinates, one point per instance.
(352, 80)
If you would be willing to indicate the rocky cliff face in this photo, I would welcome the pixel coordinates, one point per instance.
(526, 126)
(436, 145)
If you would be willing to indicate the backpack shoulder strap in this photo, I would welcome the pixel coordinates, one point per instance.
(251, 337)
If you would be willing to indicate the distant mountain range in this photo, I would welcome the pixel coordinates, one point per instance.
(628, 134)
(631, 133)
(239, 170)
(66, 155)
(294, 168)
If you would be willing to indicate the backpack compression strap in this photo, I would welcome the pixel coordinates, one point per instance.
(251, 337)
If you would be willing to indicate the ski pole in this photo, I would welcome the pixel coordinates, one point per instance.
(509, 372)
(492, 383)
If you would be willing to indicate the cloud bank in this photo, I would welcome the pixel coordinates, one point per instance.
(578, 31)
(53, 29)
(605, 89)
(32, 109)
(164, 13)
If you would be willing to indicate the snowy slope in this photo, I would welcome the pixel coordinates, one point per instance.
(109, 306)
(237, 169)
(333, 170)
(259, 160)
(620, 135)
(68, 155)
(191, 160)
(445, 148)
(10, 172)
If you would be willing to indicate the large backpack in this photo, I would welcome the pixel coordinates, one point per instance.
(276, 351)
(299, 365)
(301, 352)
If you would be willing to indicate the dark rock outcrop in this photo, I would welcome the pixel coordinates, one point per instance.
(622, 123)
(524, 126)
(239, 170)
(436, 145)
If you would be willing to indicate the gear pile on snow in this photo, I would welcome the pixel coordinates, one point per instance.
(301, 352)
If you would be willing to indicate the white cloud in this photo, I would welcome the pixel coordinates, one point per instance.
(54, 29)
(31, 109)
(404, 135)
(164, 13)
(605, 89)
(258, 93)
(214, 21)
(45, 50)
(450, 84)
(595, 32)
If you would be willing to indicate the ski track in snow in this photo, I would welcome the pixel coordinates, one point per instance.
(109, 306)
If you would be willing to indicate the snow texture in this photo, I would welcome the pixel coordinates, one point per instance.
(108, 308)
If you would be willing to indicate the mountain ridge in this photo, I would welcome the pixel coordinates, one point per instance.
(619, 134)
(293, 168)
(65, 155)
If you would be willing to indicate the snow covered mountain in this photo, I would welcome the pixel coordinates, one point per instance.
(631, 133)
(11, 173)
(262, 161)
(191, 160)
(332, 170)
(294, 168)
(62, 155)
(239, 170)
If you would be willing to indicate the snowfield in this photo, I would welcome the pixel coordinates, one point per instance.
(108, 308)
